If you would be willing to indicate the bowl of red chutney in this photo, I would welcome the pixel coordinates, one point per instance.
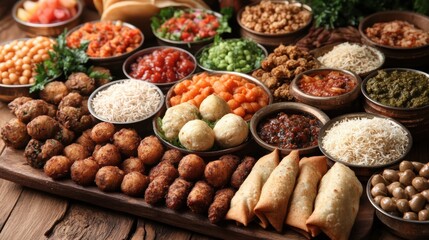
(288, 126)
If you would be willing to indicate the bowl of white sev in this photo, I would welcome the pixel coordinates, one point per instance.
(127, 103)
(365, 142)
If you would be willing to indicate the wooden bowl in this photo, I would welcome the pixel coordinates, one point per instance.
(274, 40)
(338, 103)
(287, 107)
(49, 30)
(398, 56)
(9, 92)
(415, 119)
(126, 67)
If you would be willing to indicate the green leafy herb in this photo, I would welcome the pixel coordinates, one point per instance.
(163, 15)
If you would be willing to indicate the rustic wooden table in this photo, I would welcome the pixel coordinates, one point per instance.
(30, 214)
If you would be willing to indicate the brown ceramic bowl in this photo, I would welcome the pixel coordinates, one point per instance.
(407, 229)
(398, 56)
(49, 30)
(10, 92)
(274, 40)
(126, 67)
(319, 52)
(289, 108)
(363, 172)
(339, 102)
(415, 119)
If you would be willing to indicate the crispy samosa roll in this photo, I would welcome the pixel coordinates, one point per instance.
(273, 204)
(311, 170)
(337, 203)
(247, 196)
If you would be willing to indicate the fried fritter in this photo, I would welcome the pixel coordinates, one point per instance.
(127, 140)
(81, 83)
(54, 92)
(57, 167)
(43, 127)
(14, 134)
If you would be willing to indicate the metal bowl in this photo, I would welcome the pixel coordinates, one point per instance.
(288, 107)
(398, 56)
(141, 125)
(49, 30)
(126, 67)
(273, 40)
(363, 172)
(415, 119)
(114, 63)
(341, 102)
(408, 229)
(318, 52)
(189, 46)
(207, 47)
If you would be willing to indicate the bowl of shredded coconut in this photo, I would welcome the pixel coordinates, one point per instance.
(356, 57)
(365, 142)
(126, 101)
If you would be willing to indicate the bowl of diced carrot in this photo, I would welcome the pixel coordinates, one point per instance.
(244, 94)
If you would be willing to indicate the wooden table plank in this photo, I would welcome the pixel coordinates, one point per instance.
(36, 212)
(9, 195)
(154, 230)
(83, 221)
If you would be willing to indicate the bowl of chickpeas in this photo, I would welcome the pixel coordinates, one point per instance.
(18, 59)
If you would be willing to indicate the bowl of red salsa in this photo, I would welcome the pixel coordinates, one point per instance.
(288, 126)
(326, 88)
(188, 28)
(162, 66)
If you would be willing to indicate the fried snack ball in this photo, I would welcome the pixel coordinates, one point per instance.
(54, 92)
(76, 152)
(177, 193)
(18, 102)
(200, 197)
(150, 150)
(14, 134)
(133, 164)
(81, 83)
(157, 189)
(108, 155)
(57, 167)
(220, 205)
(218, 173)
(191, 167)
(72, 99)
(127, 140)
(100, 81)
(242, 171)
(74, 118)
(37, 152)
(109, 178)
(172, 156)
(134, 184)
(86, 141)
(83, 171)
(163, 169)
(102, 132)
(43, 127)
(32, 109)
(64, 135)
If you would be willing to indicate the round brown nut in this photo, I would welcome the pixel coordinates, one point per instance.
(404, 165)
(379, 190)
(109, 178)
(391, 175)
(417, 166)
(399, 193)
(410, 216)
(83, 171)
(57, 167)
(378, 179)
(423, 215)
(420, 183)
(417, 202)
(377, 199)
(387, 204)
(107, 155)
(133, 164)
(393, 185)
(411, 191)
(425, 194)
(407, 177)
(134, 184)
(402, 205)
(424, 172)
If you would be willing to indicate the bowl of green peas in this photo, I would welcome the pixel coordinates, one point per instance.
(236, 55)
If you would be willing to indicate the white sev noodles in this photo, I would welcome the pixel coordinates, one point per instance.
(352, 57)
(364, 141)
(127, 101)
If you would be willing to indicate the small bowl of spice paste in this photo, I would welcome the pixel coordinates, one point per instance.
(399, 93)
(288, 126)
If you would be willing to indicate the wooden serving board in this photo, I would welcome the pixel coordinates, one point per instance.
(13, 167)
